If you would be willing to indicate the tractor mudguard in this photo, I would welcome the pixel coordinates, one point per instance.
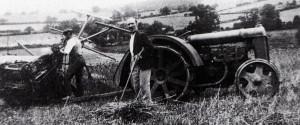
(188, 51)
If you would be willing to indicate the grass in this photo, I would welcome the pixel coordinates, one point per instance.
(102, 78)
(217, 108)
(282, 39)
(114, 49)
(214, 106)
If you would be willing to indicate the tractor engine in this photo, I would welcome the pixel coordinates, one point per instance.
(220, 61)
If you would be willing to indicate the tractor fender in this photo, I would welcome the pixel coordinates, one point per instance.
(180, 44)
(122, 72)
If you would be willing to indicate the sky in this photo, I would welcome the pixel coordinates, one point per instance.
(47, 7)
(28, 6)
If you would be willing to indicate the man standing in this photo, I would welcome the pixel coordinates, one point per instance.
(76, 63)
(141, 55)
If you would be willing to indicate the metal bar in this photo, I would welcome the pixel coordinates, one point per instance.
(26, 49)
(93, 15)
(83, 39)
(81, 31)
(97, 96)
(131, 70)
(95, 34)
(88, 48)
(96, 51)
(52, 28)
(114, 27)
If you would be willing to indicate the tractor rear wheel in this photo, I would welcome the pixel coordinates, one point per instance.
(170, 75)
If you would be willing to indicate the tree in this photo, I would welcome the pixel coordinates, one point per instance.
(165, 11)
(2, 20)
(215, 6)
(151, 14)
(50, 22)
(297, 35)
(95, 9)
(270, 18)
(116, 16)
(268, 11)
(28, 29)
(92, 28)
(294, 3)
(73, 24)
(8, 14)
(129, 12)
(249, 20)
(296, 21)
(63, 11)
(206, 19)
(289, 25)
(182, 8)
(143, 26)
(155, 28)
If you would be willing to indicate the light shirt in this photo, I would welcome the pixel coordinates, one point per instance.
(131, 42)
(73, 43)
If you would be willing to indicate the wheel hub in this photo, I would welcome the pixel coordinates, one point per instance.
(161, 75)
(257, 83)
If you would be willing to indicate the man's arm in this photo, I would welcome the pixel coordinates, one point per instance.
(70, 44)
(147, 45)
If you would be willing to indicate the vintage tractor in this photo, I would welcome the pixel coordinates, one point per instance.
(219, 59)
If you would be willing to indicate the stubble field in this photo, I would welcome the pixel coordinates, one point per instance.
(214, 106)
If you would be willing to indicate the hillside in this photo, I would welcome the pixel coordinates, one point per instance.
(178, 21)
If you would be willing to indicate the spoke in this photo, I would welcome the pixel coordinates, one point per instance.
(262, 89)
(259, 70)
(270, 74)
(247, 76)
(250, 86)
(267, 79)
(166, 91)
(160, 58)
(154, 87)
(173, 66)
(176, 81)
(176, 74)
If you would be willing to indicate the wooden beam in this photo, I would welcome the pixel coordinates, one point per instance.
(96, 96)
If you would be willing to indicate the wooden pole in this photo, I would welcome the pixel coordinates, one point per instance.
(96, 96)
(114, 27)
(26, 49)
(81, 31)
(88, 48)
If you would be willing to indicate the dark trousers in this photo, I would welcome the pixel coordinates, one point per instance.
(75, 68)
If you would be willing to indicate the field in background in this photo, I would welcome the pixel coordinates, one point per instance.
(32, 39)
(179, 21)
(282, 39)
